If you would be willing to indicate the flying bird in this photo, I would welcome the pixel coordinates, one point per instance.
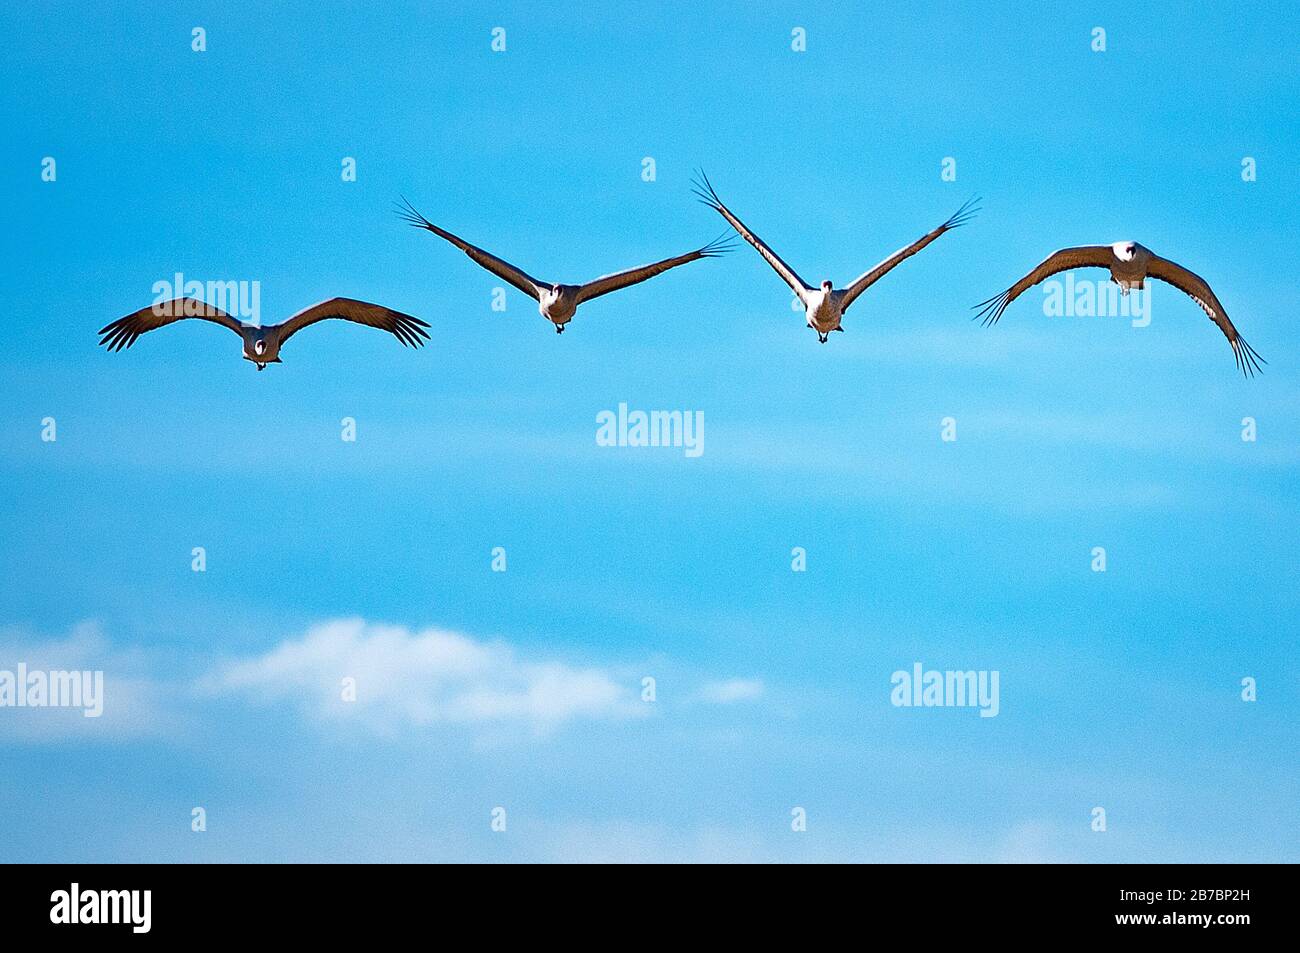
(558, 302)
(262, 344)
(824, 307)
(1130, 264)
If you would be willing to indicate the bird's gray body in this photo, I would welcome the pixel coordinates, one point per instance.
(559, 305)
(1129, 269)
(824, 311)
(261, 345)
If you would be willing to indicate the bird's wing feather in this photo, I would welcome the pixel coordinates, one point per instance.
(1084, 256)
(622, 279)
(1196, 287)
(502, 269)
(704, 190)
(124, 331)
(407, 329)
(872, 275)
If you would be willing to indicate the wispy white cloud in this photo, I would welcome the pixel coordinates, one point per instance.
(134, 703)
(391, 679)
(732, 690)
(404, 678)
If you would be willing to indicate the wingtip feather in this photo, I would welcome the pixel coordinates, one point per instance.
(969, 209)
(1248, 359)
(408, 213)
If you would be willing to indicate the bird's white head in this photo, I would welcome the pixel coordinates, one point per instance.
(1124, 251)
(259, 347)
(826, 285)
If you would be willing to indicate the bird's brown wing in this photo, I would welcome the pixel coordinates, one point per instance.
(124, 331)
(872, 275)
(622, 279)
(502, 269)
(1085, 256)
(704, 190)
(409, 330)
(1195, 287)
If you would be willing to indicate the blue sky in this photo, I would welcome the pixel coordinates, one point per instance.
(522, 689)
